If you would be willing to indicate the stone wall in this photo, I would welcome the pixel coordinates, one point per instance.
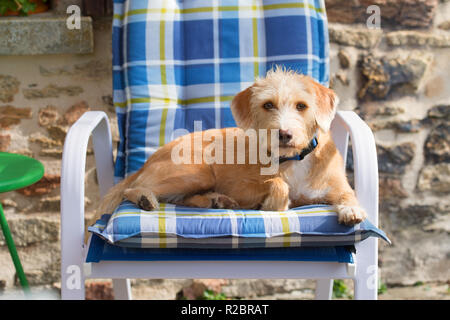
(41, 96)
(396, 78)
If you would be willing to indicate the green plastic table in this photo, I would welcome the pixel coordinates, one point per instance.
(16, 172)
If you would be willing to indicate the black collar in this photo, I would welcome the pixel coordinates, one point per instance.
(300, 156)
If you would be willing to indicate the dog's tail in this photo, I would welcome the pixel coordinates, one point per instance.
(114, 196)
(109, 202)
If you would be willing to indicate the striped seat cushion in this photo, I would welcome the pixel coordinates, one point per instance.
(172, 226)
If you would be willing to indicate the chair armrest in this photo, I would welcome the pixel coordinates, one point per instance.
(73, 173)
(364, 160)
(366, 188)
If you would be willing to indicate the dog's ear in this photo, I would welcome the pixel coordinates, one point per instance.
(240, 108)
(326, 101)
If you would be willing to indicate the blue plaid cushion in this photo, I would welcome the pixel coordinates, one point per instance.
(176, 62)
(100, 250)
(172, 226)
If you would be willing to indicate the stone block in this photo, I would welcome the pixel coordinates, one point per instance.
(418, 38)
(44, 141)
(392, 73)
(391, 188)
(48, 116)
(344, 59)
(408, 126)
(9, 86)
(5, 141)
(444, 25)
(60, 6)
(53, 152)
(394, 159)
(437, 144)
(35, 35)
(404, 13)
(10, 115)
(32, 230)
(198, 286)
(359, 37)
(91, 70)
(52, 91)
(74, 113)
(441, 111)
(47, 184)
(376, 110)
(57, 132)
(99, 290)
(435, 178)
(159, 289)
(415, 255)
(253, 288)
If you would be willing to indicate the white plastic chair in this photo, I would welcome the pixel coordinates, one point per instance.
(74, 270)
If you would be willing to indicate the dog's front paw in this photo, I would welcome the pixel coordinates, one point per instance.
(350, 215)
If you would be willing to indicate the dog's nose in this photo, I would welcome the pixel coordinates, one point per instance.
(285, 136)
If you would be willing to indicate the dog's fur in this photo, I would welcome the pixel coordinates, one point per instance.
(299, 106)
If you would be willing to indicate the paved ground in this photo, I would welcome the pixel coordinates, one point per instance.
(424, 292)
(427, 291)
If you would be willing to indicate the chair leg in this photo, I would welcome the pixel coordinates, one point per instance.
(366, 278)
(122, 289)
(324, 289)
(364, 287)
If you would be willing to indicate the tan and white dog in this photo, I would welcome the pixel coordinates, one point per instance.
(294, 106)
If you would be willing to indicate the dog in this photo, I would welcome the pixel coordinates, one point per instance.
(310, 168)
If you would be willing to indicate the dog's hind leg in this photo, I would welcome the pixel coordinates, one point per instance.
(210, 200)
(143, 197)
(168, 183)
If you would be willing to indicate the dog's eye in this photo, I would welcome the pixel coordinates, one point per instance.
(301, 106)
(268, 105)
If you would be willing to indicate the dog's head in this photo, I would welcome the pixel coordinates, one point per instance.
(286, 101)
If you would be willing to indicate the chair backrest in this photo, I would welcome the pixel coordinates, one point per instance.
(180, 61)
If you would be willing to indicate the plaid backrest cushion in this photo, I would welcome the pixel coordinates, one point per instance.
(180, 61)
